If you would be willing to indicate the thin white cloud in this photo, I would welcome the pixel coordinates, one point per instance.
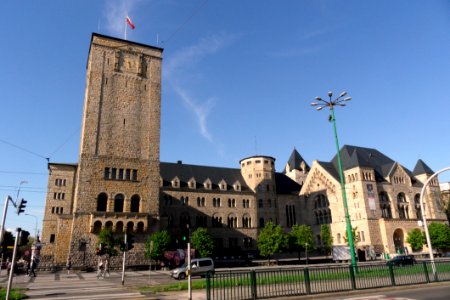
(180, 69)
(115, 13)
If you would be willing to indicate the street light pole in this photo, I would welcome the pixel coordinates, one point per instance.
(339, 101)
(424, 219)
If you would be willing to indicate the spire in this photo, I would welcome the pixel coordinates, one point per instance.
(422, 168)
(296, 162)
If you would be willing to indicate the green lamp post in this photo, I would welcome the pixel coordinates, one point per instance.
(339, 101)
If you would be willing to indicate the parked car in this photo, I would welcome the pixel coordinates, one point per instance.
(199, 266)
(402, 260)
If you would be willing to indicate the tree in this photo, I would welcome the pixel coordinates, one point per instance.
(202, 242)
(302, 238)
(439, 235)
(416, 239)
(161, 241)
(326, 238)
(106, 238)
(355, 236)
(271, 240)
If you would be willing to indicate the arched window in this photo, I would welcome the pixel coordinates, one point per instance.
(261, 222)
(385, 205)
(118, 203)
(135, 203)
(232, 221)
(102, 201)
(119, 227)
(402, 206)
(130, 227)
(140, 227)
(246, 221)
(109, 225)
(97, 226)
(417, 207)
(322, 209)
(216, 221)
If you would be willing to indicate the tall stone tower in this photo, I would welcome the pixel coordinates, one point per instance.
(117, 179)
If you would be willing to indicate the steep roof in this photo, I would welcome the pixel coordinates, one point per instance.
(185, 172)
(354, 156)
(422, 168)
(295, 161)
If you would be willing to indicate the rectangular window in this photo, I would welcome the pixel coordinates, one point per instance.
(113, 173)
(134, 178)
(106, 173)
(127, 174)
(52, 238)
(53, 210)
(120, 174)
(363, 239)
(339, 238)
(63, 195)
(55, 195)
(61, 210)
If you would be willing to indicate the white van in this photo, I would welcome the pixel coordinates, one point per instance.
(199, 267)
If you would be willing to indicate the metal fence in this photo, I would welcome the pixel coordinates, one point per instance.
(295, 281)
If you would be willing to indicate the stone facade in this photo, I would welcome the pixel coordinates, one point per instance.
(120, 183)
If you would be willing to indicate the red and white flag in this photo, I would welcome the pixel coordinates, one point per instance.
(130, 23)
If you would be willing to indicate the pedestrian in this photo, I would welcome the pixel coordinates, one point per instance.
(8, 266)
(68, 265)
(106, 268)
(33, 267)
(100, 268)
(28, 267)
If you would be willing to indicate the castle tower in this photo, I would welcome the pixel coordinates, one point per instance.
(117, 178)
(259, 174)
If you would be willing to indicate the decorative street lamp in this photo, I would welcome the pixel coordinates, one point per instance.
(339, 101)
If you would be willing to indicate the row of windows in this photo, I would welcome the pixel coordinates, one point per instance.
(233, 243)
(57, 210)
(118, 204)
(58, 196)
(119, 226)
(207, 184)
(201, 202)
(258, 161)
(359, 235)
(120, 174)
(60, 182)
(231, 221)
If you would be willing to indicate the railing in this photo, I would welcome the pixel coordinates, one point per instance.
(295, 281)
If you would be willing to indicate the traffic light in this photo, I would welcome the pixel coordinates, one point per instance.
(24, 238)
(123, 246)
(100, 250)
(130, 241)
(21, 206)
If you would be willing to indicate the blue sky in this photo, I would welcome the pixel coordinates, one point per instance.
(238, 80)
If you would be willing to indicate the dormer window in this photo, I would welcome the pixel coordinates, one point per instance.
(207, 184)
(223, 185)
(192, 184)
(237, 186)
(175, 182)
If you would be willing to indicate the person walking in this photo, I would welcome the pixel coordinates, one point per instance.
(106, 268)
(33, 267)
(100, 268)
(68, 265)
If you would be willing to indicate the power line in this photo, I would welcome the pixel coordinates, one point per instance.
(65, 142)
(23, 149)
(185, 22)
(23, 172)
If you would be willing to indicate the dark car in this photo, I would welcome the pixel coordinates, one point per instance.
(402, 260)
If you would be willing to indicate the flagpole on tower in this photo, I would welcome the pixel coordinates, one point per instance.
(126, 25)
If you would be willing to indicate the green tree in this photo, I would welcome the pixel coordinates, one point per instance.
(160, 241)
(355, 236)
(302, 237)
(106, 238)
(416, 239)
(202, 242)
(326, 238)
(439, 236)
(271, 240)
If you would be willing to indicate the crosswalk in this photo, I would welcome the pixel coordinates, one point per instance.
(77, 286)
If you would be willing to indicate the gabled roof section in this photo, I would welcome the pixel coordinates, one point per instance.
(422, 168)
(285, 185)
(353, 156)
(295, 162)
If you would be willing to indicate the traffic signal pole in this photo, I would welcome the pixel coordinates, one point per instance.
(5, 210)
(13, 262)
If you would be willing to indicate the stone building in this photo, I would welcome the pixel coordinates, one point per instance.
(382, 199)
(120, 183)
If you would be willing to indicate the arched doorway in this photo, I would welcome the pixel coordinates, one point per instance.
(399, 242)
